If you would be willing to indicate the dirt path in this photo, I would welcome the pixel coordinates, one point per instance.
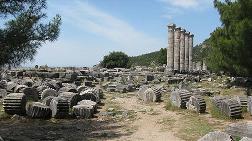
(147, 126)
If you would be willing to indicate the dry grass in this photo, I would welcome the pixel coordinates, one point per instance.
(193, 127)
(3, 115)
(168, 123)
(170, 107)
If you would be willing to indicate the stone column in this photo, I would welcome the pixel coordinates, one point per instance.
(204, 67)
(177, 49)
(182, 50)
(194, 66)
(187, 51)
(170, 49)
(190, 52)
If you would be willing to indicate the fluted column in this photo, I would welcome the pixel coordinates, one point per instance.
(177, 49)
(182, 50)
(204, 67)
(170, 49)
(190, 52)
(187, 51)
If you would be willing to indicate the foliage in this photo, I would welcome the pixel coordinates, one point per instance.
(23, 30)
(170, 107)
(115, 60)
(200, 51)
(158, 57)
(216, 113)
(194, 127)
(162, 58)
(231, 44)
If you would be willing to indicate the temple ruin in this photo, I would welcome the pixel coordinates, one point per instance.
(179, 51)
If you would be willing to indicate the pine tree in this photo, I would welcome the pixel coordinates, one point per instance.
(23, 31)
(231, 44)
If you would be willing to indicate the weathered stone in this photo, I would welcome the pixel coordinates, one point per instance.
(170, 49)
(111, 87)
(216, 136)
(150, 94)
(38, 110)
(190, 52)
(216, 100)
(242, 100)
(90, 94)
(72, 98)
(27, 82)
(31, 94)
(81, 88)
(47, 100)
(246, 139)
(241, 129)
(59, 107)
(49, 92)
(182, 50)
(250, 105)
(19, 88)
(196, 103)
(11, 86)
(3, 93)
(131, 87)
(3, 84)
(121, 88)
(67, 89)
(231, 108)
(179, 98)
(14, 103)
(83, 111)
(141, 91)
(177, 49)
(89, 103)
(187, 51)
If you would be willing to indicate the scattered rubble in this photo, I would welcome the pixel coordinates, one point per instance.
(241, 129)
(216, 136)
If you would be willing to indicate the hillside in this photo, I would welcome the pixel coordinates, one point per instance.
(157, 57)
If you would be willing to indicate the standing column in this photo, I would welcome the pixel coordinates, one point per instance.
(182, 50)
(177, 49)
(204, 68)
(190, 52)
(187, 51)
(170, 49)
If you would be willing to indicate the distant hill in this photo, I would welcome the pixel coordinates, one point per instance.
(157, 57)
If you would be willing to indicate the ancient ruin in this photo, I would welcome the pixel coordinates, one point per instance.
(179, 51)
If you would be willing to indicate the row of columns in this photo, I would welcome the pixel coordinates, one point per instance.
(179, 51)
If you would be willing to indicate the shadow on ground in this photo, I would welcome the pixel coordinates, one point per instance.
(62, 130)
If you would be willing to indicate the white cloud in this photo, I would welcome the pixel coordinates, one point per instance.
(88, 18)
(187, 3)
(98, 34)
(178, 7)
(182, 3)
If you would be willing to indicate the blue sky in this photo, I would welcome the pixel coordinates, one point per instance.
(93, 28)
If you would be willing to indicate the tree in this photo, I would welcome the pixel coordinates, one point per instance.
(162, 58)
(231, 44)
(115, 60)
(200, 51)
(23, 31)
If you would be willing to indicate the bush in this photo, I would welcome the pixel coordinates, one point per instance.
(115, 60)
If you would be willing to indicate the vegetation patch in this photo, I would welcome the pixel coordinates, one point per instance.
(170, 107)
(3, 115)
(167, 122)
(193, 127)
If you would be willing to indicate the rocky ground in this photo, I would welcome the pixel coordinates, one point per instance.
(123, 117)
